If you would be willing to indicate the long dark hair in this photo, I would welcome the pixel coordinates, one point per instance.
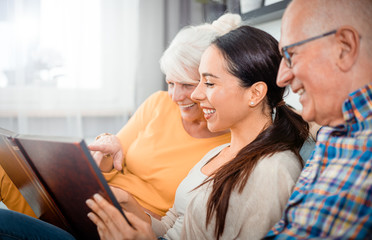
(252, 56)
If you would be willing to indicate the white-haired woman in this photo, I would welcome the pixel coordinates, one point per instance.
(165, 137)
(168, 134)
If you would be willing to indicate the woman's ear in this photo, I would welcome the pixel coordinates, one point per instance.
(257, 92)
(348, 41)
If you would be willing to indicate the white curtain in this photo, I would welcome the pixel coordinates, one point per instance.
(67, 67)
(82, 67)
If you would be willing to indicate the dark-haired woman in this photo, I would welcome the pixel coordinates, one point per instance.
(238, 190)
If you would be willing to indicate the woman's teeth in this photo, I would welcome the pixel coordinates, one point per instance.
(209, 111)
(187, 106)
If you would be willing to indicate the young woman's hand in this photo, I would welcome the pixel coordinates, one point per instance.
(112, 225)
(106, 151)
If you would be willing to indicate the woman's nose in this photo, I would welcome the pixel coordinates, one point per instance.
(197, 94)
(178, 93)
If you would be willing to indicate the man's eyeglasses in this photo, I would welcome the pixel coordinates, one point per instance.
(287, 56)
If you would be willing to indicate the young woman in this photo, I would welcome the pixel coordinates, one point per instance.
(238, 190)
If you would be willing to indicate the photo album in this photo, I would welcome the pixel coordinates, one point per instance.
(56, 175)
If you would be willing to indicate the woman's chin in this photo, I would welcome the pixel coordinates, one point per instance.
(192, 117)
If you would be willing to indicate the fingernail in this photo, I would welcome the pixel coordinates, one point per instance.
(88, 202)
(97, 197)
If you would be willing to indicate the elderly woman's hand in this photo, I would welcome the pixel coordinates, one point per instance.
(106, 151)
(112, 225)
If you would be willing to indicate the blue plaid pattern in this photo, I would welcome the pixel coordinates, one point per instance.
(333, 196)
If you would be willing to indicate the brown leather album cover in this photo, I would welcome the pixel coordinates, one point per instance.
(56, 175)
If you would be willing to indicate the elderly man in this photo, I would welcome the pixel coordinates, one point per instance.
(327, 59)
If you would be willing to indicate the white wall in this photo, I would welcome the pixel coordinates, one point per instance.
(273, 27)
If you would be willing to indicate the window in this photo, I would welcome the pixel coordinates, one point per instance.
(66, 59)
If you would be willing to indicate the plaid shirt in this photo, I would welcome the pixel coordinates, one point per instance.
(333, 196)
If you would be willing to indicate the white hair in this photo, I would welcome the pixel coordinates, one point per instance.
(180, 61)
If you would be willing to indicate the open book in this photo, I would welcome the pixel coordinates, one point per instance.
(56, 176)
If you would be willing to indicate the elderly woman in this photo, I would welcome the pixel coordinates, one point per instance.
(168, 134)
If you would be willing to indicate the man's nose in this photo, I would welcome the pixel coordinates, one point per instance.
(285, 75)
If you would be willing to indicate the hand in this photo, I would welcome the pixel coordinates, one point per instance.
(107, 152)
(128, 203)
(112, 225)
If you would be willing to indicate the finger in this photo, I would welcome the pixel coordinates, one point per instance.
(110, 214)
(103, 232)
(106, 222)
(142, 227)
(98, 156)
(96, 146)
(118, 161)
(92, 153)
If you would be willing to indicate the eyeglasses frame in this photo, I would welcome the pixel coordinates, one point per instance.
(287, 57)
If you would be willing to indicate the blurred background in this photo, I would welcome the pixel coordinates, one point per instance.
(82, 67)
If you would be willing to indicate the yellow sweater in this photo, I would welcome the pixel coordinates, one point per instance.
(159, 153)
(11, 197)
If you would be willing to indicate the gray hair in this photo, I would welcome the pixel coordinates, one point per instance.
(180, 61)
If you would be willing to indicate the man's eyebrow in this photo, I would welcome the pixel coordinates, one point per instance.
(209, 75)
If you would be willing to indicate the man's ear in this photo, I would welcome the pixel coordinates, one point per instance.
(257, 92)
(348, 41)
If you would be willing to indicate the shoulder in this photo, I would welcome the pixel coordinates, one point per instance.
(273, 179)
(159, 96)
(159, 103)
(217, 149)
(284, 158)
(212, 153)
(280, 164)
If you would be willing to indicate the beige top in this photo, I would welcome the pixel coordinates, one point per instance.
(251, 214)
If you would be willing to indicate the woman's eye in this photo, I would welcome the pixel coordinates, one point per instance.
(170, 83)
(189, 86)
(208, 84)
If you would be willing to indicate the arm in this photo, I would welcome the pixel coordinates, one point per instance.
(160, 227)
